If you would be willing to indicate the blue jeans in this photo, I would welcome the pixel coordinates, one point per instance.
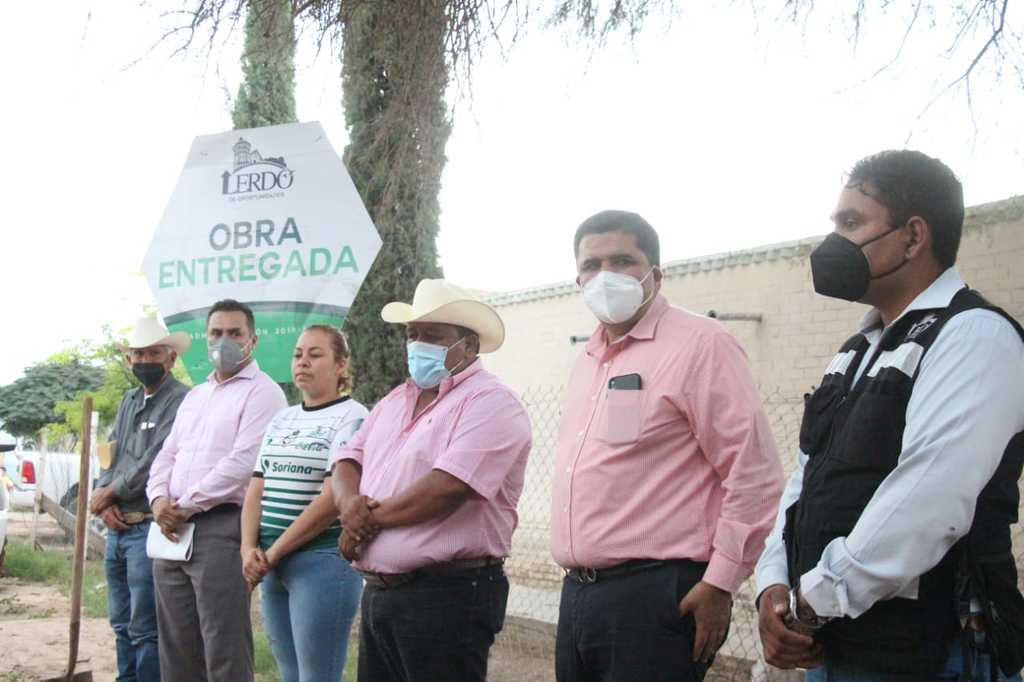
(309, 601)
(981, 666)
(131, 605)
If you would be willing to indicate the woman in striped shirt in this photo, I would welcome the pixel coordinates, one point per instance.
(290, 525)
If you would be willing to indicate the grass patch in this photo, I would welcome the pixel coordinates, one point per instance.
(10, 606)
(15, 676)
(54, 568)
(266, 668)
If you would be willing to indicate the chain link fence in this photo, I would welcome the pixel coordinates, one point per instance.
(524, 651)
(529, 635)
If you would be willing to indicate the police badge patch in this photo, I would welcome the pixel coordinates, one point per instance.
(919, 327)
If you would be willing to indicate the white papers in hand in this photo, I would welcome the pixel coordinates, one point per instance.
(159, 547)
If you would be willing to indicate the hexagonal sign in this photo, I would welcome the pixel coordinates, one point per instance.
(270, 217)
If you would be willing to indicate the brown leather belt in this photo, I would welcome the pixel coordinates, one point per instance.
(387, 581)
(134, 518)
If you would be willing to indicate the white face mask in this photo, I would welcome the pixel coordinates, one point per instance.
(613, 297)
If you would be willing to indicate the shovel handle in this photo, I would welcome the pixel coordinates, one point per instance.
(81, 515)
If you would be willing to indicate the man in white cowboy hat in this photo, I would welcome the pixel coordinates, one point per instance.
(143, 421)
(427, 493)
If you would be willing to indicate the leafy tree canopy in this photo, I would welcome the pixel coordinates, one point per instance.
(49, 396)
(27, 405)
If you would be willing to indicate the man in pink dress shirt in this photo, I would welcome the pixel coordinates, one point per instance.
(666, 475)
(427, 493)
(200, 476)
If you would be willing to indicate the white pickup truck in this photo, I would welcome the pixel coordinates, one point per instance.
(5, 503)
(24, 468)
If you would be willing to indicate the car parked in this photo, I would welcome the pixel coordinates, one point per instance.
(24, 467)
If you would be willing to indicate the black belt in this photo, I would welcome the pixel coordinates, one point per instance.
(388, 580)
(592, 575)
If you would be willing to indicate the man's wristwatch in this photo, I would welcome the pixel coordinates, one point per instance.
(803, 619)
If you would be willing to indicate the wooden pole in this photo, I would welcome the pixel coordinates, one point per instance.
(81, 515)
(37, 499)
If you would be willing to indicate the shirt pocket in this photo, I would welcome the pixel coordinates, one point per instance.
(623, 416)
(872, 439)
(819, 412)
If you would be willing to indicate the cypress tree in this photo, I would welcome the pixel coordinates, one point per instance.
(394, 76)
(267, 93)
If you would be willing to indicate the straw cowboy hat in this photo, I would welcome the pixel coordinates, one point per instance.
(440, 301)
(147, 331)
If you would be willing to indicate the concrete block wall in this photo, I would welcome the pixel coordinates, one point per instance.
(788, 349)
(799, 330)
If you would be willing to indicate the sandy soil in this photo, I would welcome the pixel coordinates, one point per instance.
(34, 629)
(34, 635)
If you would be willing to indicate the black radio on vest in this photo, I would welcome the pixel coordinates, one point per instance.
(852, 433)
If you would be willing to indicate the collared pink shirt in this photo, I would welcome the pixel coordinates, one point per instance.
(209, 456)
(684, 468)
(477, 431)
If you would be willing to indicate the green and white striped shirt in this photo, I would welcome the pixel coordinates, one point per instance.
(293, 463)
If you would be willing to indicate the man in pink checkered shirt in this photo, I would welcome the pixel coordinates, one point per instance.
(427, 493)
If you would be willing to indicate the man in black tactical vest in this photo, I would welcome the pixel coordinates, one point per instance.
(891, 557)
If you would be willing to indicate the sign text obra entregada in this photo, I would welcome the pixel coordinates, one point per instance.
(267, 216)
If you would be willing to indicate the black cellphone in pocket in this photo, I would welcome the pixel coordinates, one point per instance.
(626, 382)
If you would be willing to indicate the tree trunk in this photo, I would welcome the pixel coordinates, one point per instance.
(394, 76)
(266, 96)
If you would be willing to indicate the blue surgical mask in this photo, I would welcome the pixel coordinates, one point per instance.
(426, 362)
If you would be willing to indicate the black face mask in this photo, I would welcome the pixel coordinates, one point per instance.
(149, 373)
(841, 270)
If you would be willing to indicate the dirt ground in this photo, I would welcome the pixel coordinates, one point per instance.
(34, 628)
(34, 635)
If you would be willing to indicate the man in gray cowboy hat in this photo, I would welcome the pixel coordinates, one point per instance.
(143, 421)
(427, 492)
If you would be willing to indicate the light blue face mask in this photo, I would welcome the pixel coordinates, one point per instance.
(426, 362)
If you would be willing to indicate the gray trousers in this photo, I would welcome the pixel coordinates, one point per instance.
(202, 606)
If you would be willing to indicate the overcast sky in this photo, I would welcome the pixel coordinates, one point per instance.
(725, 129)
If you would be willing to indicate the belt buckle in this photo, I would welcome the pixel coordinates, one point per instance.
(584, 576)
(375, 579)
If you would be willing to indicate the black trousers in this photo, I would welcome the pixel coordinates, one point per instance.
(433, 629)
(628, 628)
